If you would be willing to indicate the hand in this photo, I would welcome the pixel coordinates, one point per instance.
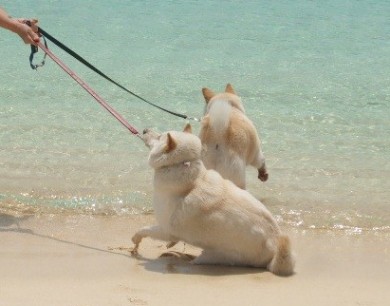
(29, 34)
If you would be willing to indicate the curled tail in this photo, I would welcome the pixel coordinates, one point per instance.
(283, 261)
(219, 114)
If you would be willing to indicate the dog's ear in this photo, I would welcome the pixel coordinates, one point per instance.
(188, 128)
(207, 94)
(171, 144)
(229, 89)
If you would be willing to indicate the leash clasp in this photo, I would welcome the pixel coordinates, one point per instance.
(194, 118)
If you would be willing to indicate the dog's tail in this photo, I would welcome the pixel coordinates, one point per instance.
(283, 261)
(219, 117)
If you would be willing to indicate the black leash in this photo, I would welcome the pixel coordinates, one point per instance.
(86, 63)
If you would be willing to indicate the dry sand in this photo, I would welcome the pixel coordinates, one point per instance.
(59, 260)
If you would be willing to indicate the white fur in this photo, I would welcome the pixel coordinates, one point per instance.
(197, 206)
(219, 116)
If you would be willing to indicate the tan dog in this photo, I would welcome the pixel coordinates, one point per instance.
(197, 206)
(229, 138)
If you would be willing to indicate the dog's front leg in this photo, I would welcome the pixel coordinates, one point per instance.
(262, 174)
(154, 232)
(259, 164)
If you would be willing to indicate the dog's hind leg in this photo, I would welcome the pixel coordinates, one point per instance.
(259, 164)
(209, 257)
(262, 174)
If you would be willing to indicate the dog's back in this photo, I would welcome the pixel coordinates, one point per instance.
(229, 138)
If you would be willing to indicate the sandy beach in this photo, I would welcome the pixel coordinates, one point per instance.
(77, 260)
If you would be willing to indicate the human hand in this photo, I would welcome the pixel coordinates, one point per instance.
(29, 34)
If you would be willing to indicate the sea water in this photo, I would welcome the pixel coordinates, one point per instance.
(314, 77)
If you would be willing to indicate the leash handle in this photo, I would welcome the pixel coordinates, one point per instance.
(99, 99)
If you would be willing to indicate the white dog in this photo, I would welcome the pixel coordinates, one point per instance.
(197, 206)
(229, 138)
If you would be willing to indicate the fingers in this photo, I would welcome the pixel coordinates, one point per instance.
(35, 37)
(29, 34)
(34, 27)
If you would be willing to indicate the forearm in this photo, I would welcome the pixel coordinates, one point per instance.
(7, 22)
(18, 25)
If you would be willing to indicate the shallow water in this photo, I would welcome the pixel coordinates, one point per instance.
(314, 78)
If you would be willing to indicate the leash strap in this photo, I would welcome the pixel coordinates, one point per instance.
(99, 99)
(86, 63)
(34, 49)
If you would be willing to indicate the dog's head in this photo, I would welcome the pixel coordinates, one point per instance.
(229, 96)
(173, 147)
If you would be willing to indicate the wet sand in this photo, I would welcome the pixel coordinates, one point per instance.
(77, 260)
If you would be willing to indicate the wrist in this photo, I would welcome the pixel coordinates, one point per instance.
(13, 25)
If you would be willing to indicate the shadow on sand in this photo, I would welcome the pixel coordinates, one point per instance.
(9, 223)
(171, 262)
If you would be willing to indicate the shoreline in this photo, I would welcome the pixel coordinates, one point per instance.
(77, 260)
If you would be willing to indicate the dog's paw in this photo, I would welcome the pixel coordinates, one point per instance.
(179, 255)
(134, 251)
(263, 174)
(136, 239)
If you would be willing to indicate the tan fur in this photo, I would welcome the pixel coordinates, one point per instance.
(241, 136)
(229, 88)
(208, 94)
(229, 138)
(171, 144)
(188, 128)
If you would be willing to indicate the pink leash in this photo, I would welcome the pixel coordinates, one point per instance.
(90, 90)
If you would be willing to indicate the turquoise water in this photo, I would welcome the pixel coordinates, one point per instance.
(314, 77)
